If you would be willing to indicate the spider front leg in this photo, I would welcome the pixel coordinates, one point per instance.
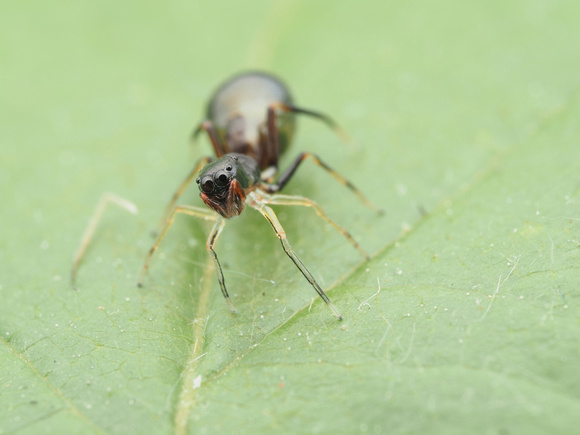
(200, 213)
(215, 232)
(279, 199)
(271, 217)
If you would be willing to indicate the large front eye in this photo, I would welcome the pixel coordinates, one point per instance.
(221, 179)
(207, 184)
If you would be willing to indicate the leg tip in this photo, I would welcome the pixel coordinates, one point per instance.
(364, 253)
(334, 310)
(231, 306)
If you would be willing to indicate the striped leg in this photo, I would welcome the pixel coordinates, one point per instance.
(287, 175)
(204, 214)
(279, 199)
(270, 216)
(215, 232)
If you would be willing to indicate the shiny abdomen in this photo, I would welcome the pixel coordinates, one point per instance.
(239, 110)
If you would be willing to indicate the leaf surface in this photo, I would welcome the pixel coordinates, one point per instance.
(464, 125)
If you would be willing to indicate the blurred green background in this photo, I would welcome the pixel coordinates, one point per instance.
(464, 125)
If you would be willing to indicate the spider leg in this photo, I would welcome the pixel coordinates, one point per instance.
(184, 184)
(338, 130)
(106, 199)
(219, 148)
(287, 175)
(279, 199)
(200, 213)
(271, 217)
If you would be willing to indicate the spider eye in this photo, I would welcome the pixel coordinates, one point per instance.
(229, 168)
(207, 185)
(222, 179)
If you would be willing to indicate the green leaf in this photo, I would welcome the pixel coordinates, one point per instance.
(464, 125)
